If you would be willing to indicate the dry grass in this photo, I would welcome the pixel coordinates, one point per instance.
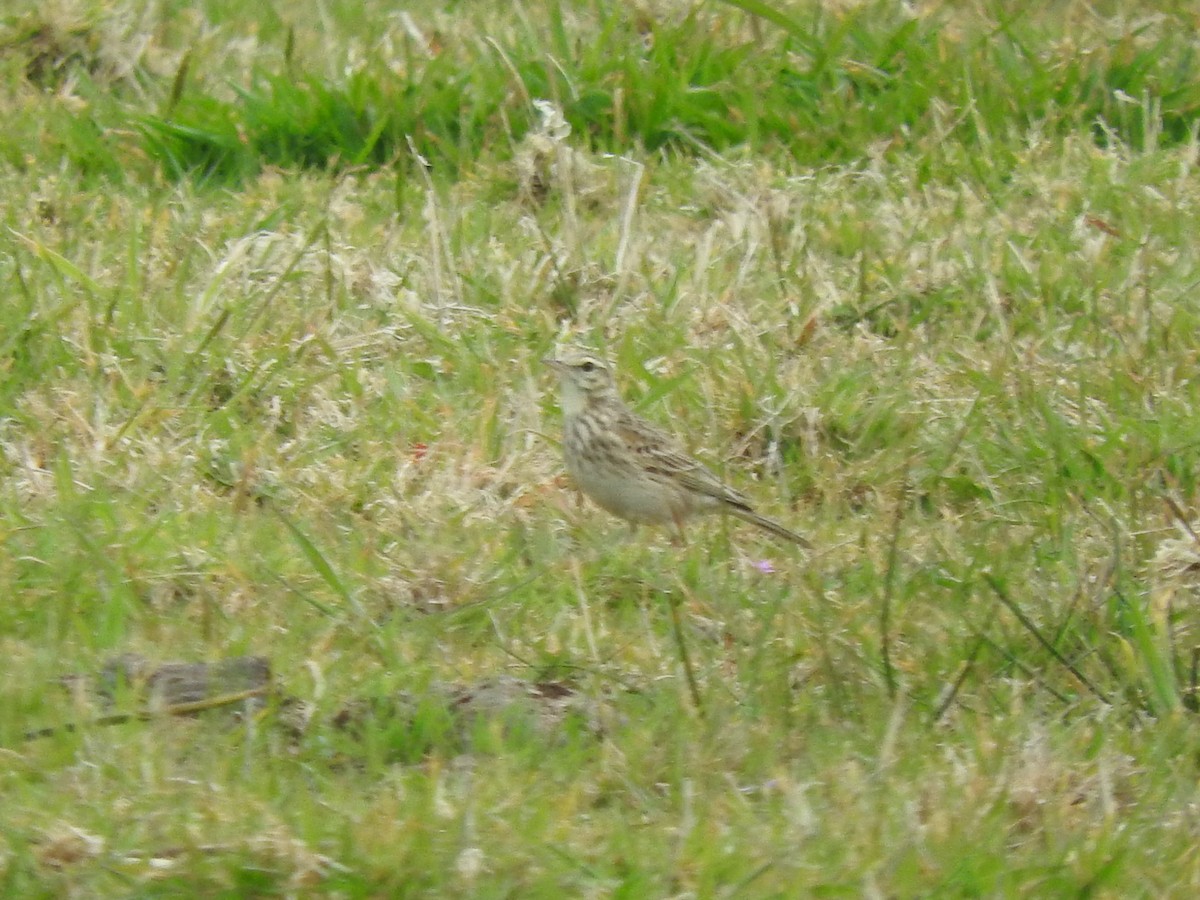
(303, 417)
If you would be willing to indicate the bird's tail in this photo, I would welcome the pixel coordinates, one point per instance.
(769, 525)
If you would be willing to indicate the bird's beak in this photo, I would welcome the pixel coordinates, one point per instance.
(553, 363)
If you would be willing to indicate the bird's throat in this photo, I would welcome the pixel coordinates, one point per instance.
(574, 401)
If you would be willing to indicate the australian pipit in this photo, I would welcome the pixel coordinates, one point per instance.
(628, 466)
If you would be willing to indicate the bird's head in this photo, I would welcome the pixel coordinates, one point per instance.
(585, 378)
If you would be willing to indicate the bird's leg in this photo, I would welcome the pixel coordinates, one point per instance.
(679, 540)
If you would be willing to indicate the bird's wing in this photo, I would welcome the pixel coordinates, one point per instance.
(661, 455)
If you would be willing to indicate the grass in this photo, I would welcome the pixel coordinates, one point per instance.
(921, 283)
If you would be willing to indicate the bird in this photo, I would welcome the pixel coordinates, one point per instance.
(628, 466)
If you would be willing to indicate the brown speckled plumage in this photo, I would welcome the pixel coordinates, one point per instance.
(628, 466)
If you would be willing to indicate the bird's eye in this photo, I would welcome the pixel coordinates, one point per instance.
(588, 366)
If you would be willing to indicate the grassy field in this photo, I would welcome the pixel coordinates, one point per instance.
(920, 279)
